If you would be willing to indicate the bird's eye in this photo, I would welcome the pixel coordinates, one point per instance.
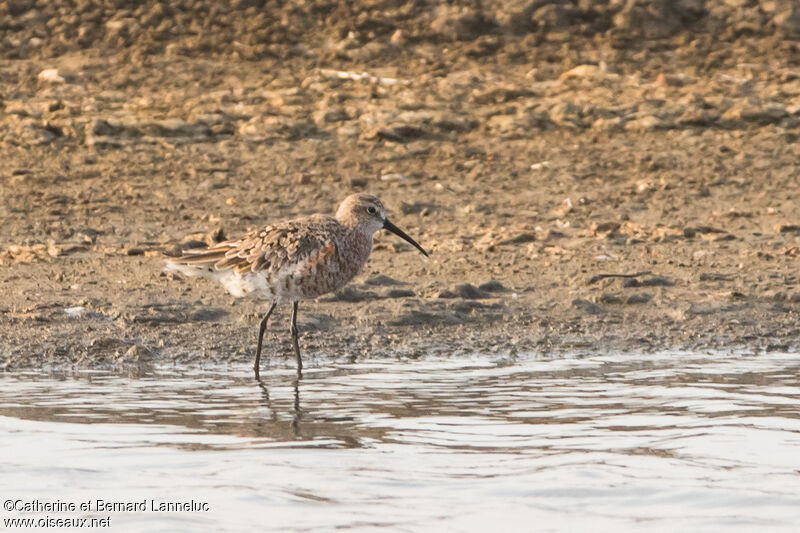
(371, 210)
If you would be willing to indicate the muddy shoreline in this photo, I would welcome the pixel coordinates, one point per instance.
(534, 159)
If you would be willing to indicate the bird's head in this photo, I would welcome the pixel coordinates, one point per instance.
(366, 212)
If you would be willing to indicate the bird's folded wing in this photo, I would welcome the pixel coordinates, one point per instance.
(299, 244)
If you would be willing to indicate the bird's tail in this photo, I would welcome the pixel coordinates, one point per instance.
(197, 263)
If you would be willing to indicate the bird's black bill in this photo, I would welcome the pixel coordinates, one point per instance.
(400, 233)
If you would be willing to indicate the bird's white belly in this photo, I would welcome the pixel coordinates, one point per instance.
(279, 288)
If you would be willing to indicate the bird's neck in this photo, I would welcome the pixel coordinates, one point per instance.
(360, 242)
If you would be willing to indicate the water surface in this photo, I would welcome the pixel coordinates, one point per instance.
(669, 442)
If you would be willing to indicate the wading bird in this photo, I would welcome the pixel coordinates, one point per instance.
(295, 259)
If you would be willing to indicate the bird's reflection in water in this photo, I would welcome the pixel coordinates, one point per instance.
(296, 411)
(318, 423)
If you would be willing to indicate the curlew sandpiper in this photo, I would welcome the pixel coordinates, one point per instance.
(295, 259)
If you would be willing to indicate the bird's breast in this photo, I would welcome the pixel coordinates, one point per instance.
(336, 266)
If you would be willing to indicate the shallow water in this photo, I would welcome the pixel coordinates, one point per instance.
(669, 442)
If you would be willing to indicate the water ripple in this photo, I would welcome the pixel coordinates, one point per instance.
(657, 442)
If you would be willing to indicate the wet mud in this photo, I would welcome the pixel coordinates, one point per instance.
(588, 175)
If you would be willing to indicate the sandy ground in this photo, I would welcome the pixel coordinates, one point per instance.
(536, 148)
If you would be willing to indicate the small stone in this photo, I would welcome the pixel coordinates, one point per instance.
(76, 312)
(399, 293)
(400, 133)
(605, 229)
(470, 292)
(50, 75)
(492, 286)
(328, 116)
(416, 208)
(787, 228)
(520, 238)
(556, 16)
(663, 80)
(53, 250)
(641, 298)
(654, 281)
(616, 298)
(608, 124)
(567, 114)
(397, 178)
(398, 38)
(588, 72)
(460, 23)
(787, 19)
(134, 251)
(563, 208)
(498, 94)
(552, 235)
(611, 298)
(587, 306)
(381, 280)
(651, 19)
(137, 353)
(350, 294)
(767, 113)
(646, 123)
(192, 244)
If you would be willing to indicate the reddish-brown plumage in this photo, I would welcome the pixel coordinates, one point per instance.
(296, 259)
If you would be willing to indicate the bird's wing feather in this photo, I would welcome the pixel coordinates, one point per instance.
(301, 242)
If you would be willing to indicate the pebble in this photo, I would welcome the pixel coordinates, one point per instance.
(50, 75)
(396, 178)
(398, 38)
(664, 80)
(563, 208)
(492, 286)
(350, 294)
(399, 133)
(399, 293)
(137, 353)
(655, 281)
(469, 292)
(787, 228)
(587, 306)
(76, 312)
(498, 94)
(459, 23)
(605, 229)
(382, 280)
(767, 113)
(588, 72)
(616, 298)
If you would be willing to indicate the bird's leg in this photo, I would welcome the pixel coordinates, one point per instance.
(294, 337)
(257, 361)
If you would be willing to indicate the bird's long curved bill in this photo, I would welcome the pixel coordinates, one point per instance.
(402, 234)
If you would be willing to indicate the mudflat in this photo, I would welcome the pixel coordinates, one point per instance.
(588, 176)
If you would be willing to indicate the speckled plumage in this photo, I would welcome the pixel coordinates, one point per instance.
(284, 262)
(296, 259)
